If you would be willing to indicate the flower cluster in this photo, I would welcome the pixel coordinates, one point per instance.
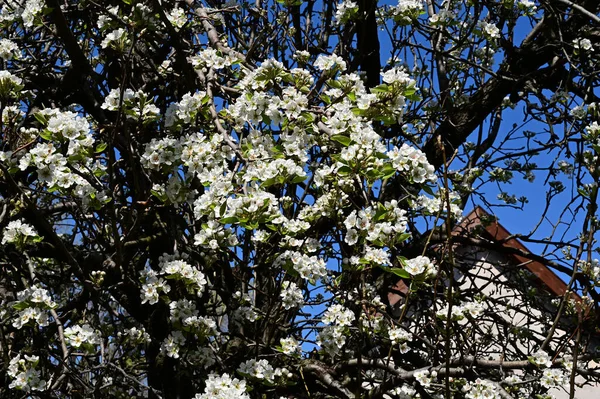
(77, 335)
(337, 319)
(553, 378)
(18, 232)
(223, 387)
(200, 157)
(152, 286)
(8, 49)
(413, 162)
(489, 31)
(136, 104)
(581, 45)
(375, 228)
(172, 344)
(473, 309)
(290, 346)
(407, 10)
(330, 62)
(262, 370)
(66, 173)
(437, 205)
(425, 377)
(541, 359)
(291, 295)
(135, 335)
(175, 268)
(116, 39)
(442, 18)
(186, 110)
(269, 108)
(182, 310)
(481, 389)
(9, 80)
(421, 265)
(528, 7)
(210, 58)
(24, 373)
(400, 337)
(28, 314)
(345, 11)
(32, 304)
(177, 17)
(213, 235)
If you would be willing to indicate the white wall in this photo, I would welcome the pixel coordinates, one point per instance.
(489, 274)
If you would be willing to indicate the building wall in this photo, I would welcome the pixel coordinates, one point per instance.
(499, 279)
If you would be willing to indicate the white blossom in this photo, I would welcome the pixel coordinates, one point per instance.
(173, 344)
(291, 295)
(490, 31)
(290, 346)
(344, 10)
(481, 389)
(553, 378)
(223, 387)
(116, 35)
(541, 359)
(17, 230)
(329, 62)
(8, 49)
(32, 9)
(24, 374)
(81, 334)
(177, 17)
(420, 265)
(583, 44)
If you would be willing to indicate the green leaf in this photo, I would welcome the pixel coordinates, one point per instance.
(413, 97)
(343, 140)
(53, 189)
(388, 120)
(334, 83)
(223, 208)
(388, 171)
(75, 158)
(373, 174)
(269, 182)
(399, 272)
(37, 239)
(383, 88)
(46, 135)
(229, 220)
(100, 148)
(161, 197)
(428, 190)
(20, 305)
(380, 214)
(410, 91)
(308, 116)
(41, 118)
(403, 237)
(344, 170)
(358, 111)
(298, 179)
(271, 226)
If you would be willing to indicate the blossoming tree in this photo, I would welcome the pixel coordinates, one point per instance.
(202, 199)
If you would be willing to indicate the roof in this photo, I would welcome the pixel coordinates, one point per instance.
(497, 234)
